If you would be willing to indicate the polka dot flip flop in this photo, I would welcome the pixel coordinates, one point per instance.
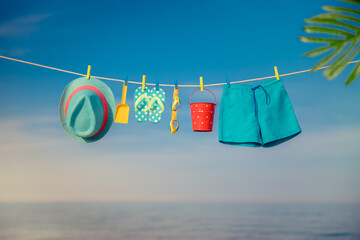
(156, 104)
(141, 100)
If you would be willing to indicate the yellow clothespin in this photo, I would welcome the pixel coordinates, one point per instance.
(201, 84)
(143, 82)
(276, 73)
(88, 72)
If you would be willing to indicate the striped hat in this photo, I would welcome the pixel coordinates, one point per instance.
(87, 109)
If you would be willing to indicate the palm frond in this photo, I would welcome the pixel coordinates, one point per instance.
(351, 1)
(334, 22)
(319, 40)
(326, 30)
(341, 62)
(343, 43)
(318, 51)
(340, 9)
(328, 58)
(353, 75)
(338, 16)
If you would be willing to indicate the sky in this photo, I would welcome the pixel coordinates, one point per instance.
(144, 162)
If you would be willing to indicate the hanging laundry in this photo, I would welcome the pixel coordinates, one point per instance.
(257, 115)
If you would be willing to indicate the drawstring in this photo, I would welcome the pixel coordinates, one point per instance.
(266, 94)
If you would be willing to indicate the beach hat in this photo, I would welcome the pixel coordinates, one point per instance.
(87, 109)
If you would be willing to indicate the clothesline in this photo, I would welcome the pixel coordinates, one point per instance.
(167, 85)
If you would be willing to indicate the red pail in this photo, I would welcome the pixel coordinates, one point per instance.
(202, 114)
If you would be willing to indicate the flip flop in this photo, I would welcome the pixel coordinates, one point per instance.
(156, 104)
(141, 100)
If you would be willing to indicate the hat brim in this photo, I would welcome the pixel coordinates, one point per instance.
(109, 96)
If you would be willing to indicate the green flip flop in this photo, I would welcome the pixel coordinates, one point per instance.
(156, 105)
(141, 101)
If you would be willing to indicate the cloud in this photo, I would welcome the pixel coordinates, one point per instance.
(20, 135)
(21, 26)
(42, 132)
(15, 52)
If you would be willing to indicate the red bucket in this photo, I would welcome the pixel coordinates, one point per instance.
(202, 114)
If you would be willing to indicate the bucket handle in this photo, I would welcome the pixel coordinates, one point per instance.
(206, 90)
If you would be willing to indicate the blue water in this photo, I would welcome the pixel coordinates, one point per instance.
(178, 221)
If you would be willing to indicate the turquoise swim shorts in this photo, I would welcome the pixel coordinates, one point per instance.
(257, 115)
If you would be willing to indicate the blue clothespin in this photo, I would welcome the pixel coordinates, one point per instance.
(176, 83)
(126, 79)
(227, 81)
(157, 83)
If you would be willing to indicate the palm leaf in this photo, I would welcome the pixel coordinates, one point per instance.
(332, 22)
(341, 62)
(321, 50)
(338, 16)
(319, 40)
(351, 1)
(318, 51)
(340, 9)
(342, 22)
(331, 31)
(353, 75)
(327, 59)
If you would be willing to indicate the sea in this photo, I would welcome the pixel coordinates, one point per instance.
(178, 221)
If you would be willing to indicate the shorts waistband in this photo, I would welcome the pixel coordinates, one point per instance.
(265, 83)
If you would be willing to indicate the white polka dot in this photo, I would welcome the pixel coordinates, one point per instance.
(207, 105)
(155, 120)
(207, 116)
(160, 95)
(153, 117)
(202, 122)
(194, 122)
(197, 116)
(157, 114)
(143, 116)
(139, 119)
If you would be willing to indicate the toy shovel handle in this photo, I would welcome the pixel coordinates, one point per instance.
(206, 90)
(123, 97)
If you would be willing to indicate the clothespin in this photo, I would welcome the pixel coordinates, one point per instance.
(157, 83)
(126, 79)
(201, 84)
(276, 73)
(88, 72)
(227, 81)
(143, 82)
(176, 83)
